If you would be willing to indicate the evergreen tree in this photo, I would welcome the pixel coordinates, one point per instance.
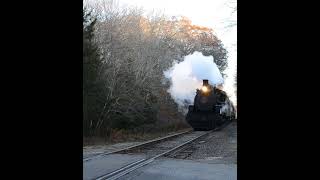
(91, 64)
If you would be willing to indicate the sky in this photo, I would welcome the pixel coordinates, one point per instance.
(216, 14)
(202, 12)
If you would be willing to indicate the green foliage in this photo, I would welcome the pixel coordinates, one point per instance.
(91, 85)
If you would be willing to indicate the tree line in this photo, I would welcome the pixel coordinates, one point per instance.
(124, 56)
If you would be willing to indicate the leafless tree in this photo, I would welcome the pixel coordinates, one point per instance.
(135, 51)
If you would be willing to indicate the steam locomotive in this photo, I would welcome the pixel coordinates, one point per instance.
(211, 109)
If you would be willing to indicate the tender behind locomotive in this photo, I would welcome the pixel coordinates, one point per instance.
(211, 108)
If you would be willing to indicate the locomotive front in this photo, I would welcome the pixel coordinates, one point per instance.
(205, 98)
(211, 108)
(201, 115)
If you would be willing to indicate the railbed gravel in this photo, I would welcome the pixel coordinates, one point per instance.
(217, 147)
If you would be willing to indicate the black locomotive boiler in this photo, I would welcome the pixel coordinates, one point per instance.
(212, 108)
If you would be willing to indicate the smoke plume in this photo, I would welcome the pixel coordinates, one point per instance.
(185, 77)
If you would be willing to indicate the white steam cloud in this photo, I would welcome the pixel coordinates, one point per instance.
(185, 77)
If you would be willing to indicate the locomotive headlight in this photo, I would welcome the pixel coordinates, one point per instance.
(204, 89)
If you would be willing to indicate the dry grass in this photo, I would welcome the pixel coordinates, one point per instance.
(168, 122)
(143, 134)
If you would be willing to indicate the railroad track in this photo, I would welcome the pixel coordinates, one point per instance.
(150, 142)
(175, 145)
(154, 150)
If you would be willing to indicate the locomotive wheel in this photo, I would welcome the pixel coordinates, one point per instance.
(213, 124)
(197, 129)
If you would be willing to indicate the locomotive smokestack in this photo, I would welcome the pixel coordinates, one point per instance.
(205, 82)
